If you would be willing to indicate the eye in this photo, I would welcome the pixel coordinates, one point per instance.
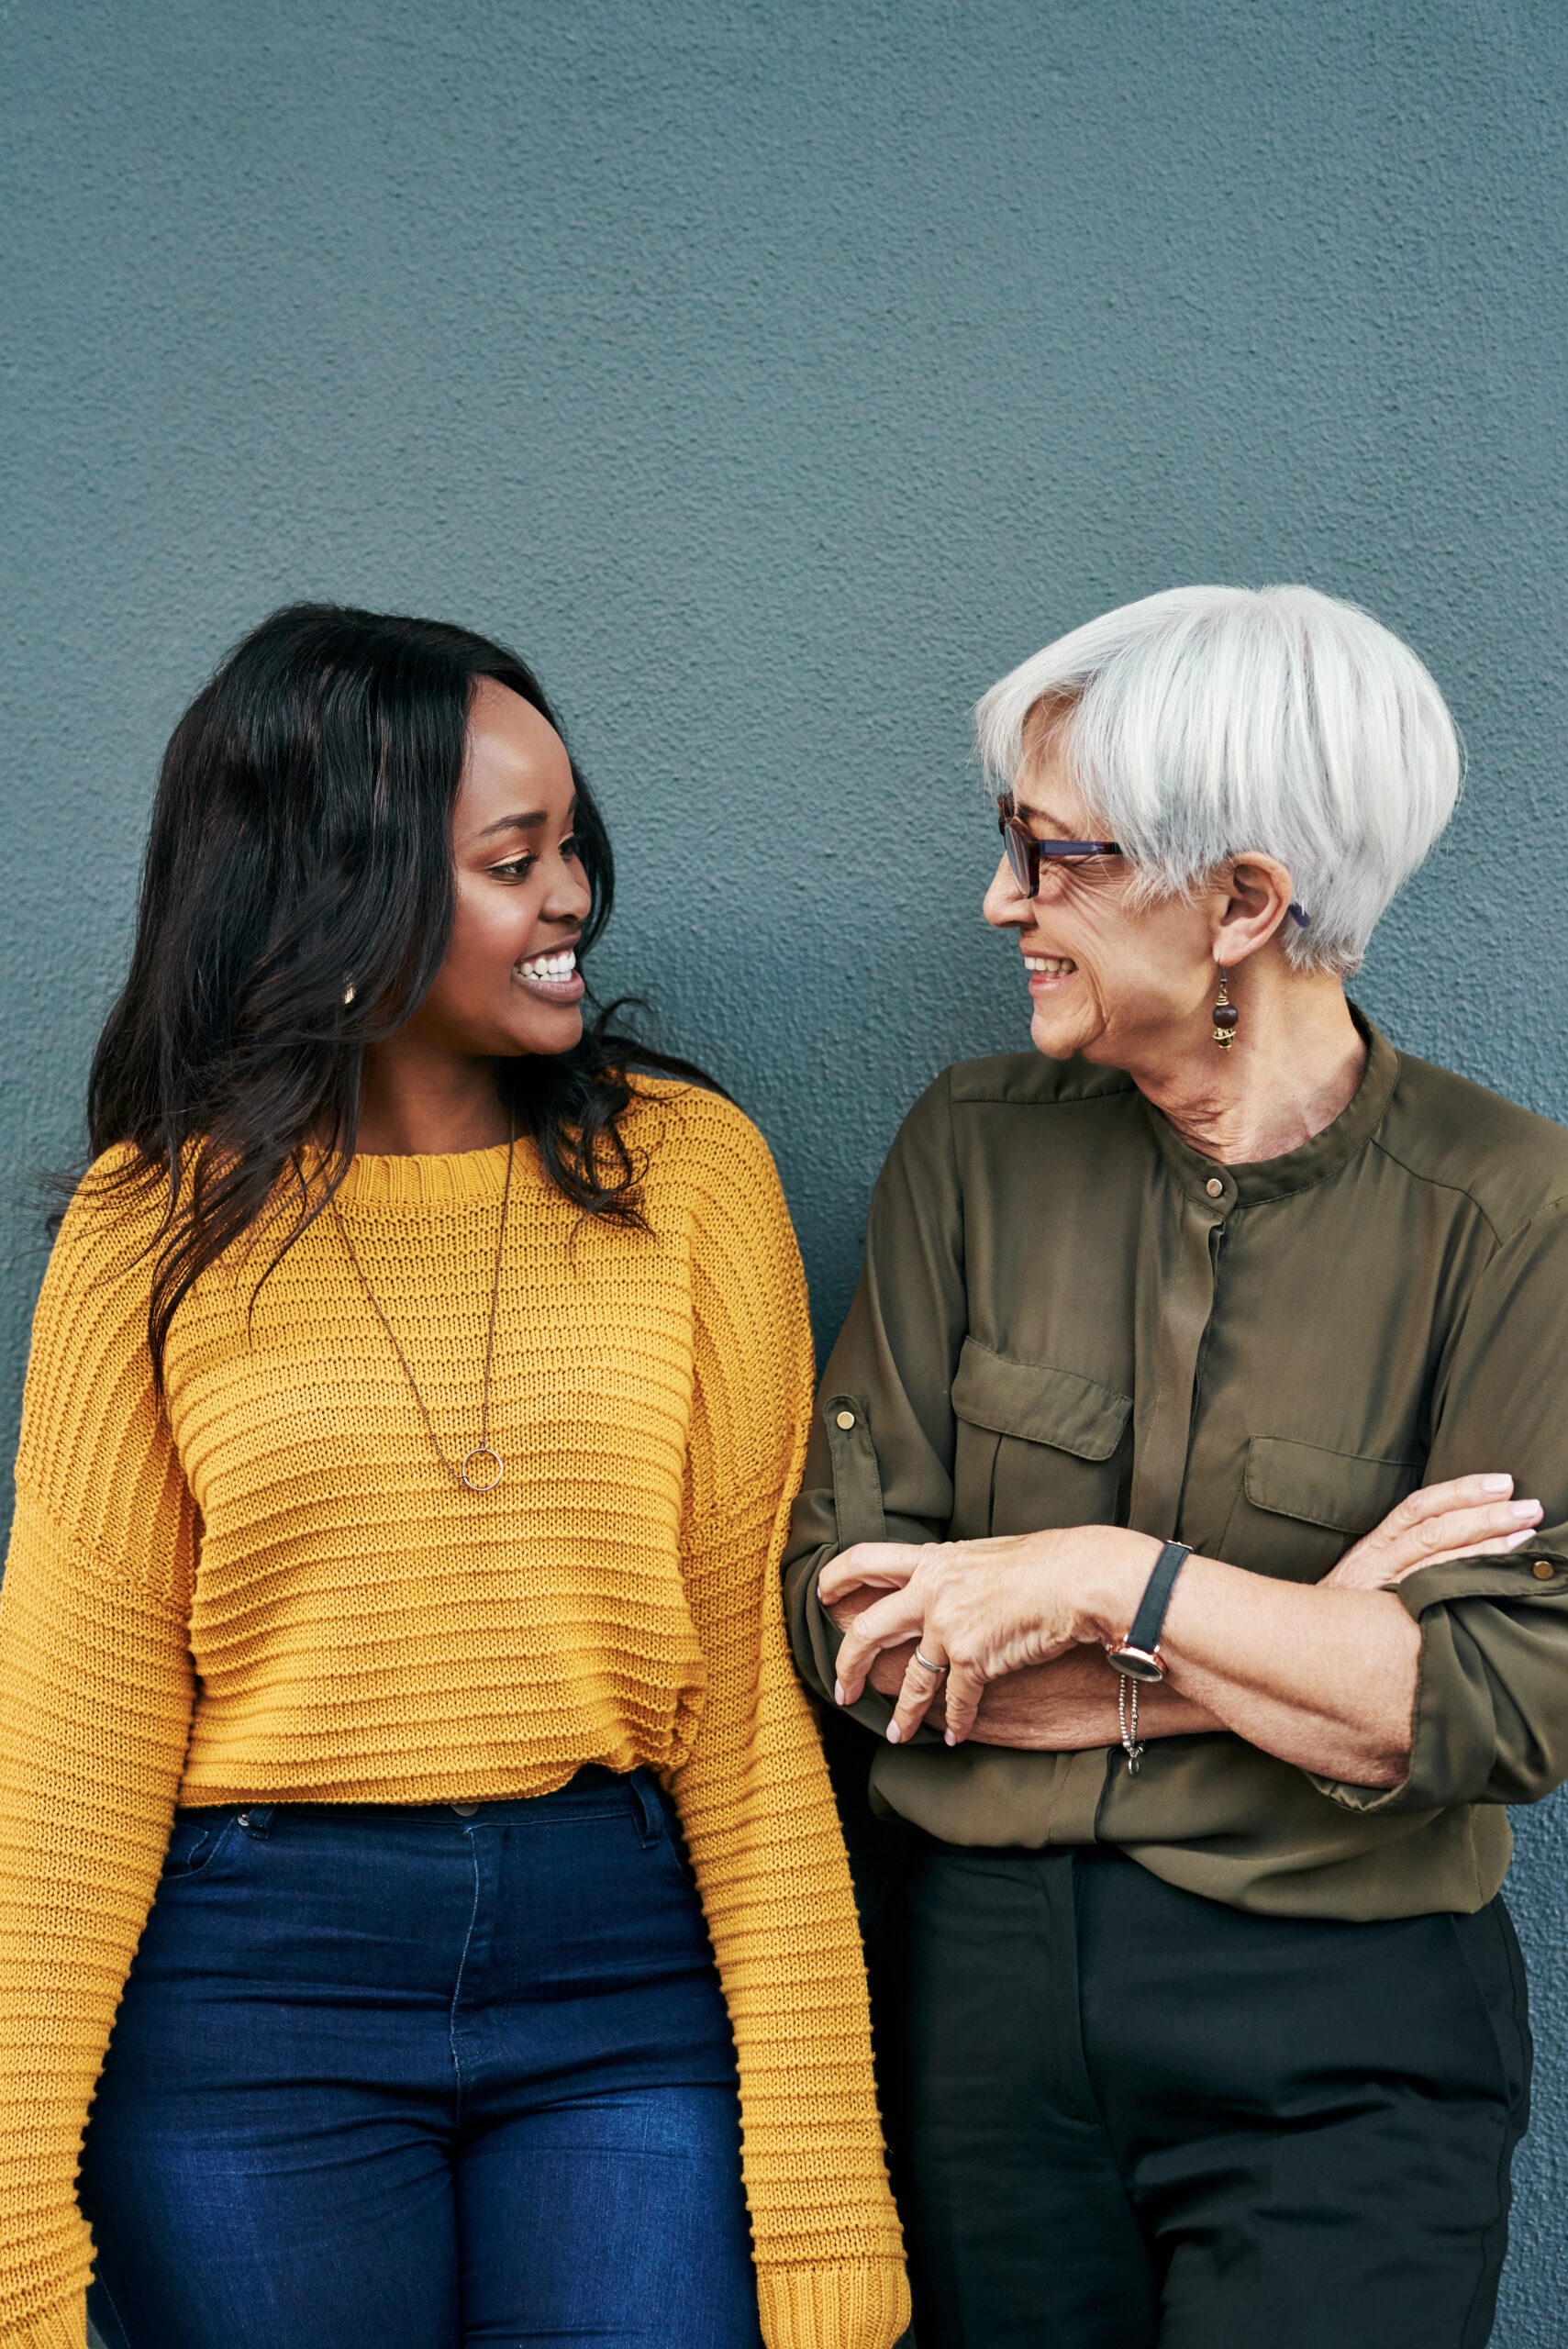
(515, 868)
(569, 848)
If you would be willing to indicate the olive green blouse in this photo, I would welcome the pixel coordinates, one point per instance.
(1068, 1316)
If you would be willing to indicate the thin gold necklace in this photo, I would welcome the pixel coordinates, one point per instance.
(483, 1449)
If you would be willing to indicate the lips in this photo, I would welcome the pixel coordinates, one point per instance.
(554, 975)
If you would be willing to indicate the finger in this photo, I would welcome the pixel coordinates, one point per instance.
(1440, 1500)
(878, 1566)
(1460, 1530)
(1467, 1550)
(964, 1689)
(888, 1624)
(1465, 1542)
(926, 1672)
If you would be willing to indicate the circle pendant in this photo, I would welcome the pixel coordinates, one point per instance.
(483, 1482)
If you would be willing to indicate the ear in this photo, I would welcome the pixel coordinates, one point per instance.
(1251, 900)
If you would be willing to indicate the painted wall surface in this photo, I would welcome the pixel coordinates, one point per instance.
(775, 376)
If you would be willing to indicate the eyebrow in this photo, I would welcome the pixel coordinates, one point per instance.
(526, 823)
(1042, 816)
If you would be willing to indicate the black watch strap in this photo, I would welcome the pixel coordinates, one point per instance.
(1150, 1620)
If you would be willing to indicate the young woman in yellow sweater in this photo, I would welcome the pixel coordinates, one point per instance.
(395, 1714)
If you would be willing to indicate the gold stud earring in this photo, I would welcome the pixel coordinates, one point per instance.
(349, 992)
(1227, 1019)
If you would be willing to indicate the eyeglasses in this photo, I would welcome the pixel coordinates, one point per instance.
(1024, 851)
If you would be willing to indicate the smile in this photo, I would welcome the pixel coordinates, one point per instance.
(1052, 966)
(555, 976)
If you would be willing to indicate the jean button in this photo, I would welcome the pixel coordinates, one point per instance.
(465, 1810)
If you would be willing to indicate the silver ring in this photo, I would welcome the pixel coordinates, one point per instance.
(938, 1668)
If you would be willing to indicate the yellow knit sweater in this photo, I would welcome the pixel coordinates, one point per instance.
(267, 1587)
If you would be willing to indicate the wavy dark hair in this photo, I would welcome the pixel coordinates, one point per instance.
(301, 837)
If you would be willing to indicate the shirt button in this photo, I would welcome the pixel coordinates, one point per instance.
(465, 1810)
(1541, 1571)
(1215, 1187)
(846, 1419)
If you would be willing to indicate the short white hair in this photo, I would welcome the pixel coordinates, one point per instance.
(1209, 720)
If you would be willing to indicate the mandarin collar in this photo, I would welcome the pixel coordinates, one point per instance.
(1300, 1169)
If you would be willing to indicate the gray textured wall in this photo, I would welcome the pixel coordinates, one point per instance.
(776, 375)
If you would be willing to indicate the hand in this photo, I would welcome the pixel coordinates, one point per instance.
(887, 1674)
(975, 1609)
(1469, 1517)
(1063, 1706)
(868, 1565)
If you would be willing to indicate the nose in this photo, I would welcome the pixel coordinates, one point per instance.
(571, 897)
(1006, 906)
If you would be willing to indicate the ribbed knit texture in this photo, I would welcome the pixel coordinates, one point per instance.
(268, 1588)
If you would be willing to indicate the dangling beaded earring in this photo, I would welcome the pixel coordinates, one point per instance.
(1227, 1019)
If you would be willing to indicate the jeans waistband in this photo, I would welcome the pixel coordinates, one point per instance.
(594, 1782)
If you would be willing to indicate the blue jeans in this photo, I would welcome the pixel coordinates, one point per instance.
(395, 2078)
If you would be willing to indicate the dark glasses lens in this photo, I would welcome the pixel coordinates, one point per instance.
(1025, 853)
(1022, 863)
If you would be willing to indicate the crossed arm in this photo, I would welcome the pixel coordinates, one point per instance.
(1322, 1675)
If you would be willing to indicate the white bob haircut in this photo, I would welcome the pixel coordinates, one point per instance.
(1206, 721)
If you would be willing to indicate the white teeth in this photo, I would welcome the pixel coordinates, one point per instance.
(550, 966)
(1053, 962)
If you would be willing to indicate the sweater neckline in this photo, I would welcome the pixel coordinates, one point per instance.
(440, 1179)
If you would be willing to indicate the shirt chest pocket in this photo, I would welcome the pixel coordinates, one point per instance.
(1035, 1447)
(1301, 1506)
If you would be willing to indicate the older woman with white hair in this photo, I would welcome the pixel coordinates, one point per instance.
(1188, 1516)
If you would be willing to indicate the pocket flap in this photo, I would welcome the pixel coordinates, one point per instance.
(1344, 1490)
(1042, 1405)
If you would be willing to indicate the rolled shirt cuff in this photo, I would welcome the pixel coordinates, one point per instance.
(1456, 1754)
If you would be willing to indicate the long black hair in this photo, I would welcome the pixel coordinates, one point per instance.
(301, 842)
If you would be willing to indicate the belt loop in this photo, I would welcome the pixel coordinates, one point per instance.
(646, 1796)
(257, 1820)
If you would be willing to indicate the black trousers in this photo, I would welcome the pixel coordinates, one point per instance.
(1124, 2116)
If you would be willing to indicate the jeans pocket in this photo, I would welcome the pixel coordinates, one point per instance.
(195, 1842)
(673, 1845)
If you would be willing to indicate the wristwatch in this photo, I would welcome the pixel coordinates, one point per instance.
(1139, 1654)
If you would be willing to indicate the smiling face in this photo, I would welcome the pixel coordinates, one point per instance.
(509, 983)
(1117, 984)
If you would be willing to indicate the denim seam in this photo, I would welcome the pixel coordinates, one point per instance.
(649, 1812)
(99, 2285)
(457, 1986)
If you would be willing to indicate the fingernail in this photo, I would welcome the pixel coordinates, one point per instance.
(1497, 1483)
(1525, 1508)
(1513, 1539)
(893, 1733)
(838, 1692)
(948, 1738)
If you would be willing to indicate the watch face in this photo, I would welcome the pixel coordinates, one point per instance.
(1137, 1662)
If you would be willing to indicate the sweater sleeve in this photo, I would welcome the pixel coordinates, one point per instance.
(880, 1464)
(96, 1696)
(754, 1797)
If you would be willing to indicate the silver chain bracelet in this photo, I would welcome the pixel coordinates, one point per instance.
(1131, 1745)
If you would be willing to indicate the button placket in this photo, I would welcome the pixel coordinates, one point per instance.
(1175, 1302)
